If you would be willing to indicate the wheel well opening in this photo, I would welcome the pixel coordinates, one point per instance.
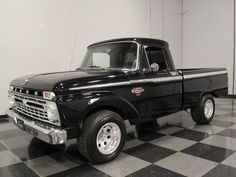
(109, 108)
(211, 93)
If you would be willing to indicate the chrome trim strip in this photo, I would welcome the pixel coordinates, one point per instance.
(114, 42)
(164, 79)
(192, 76)
(138, 81)
(155, 80)
(50, 134)
(101, 85)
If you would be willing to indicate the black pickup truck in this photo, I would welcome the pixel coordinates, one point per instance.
(130, 79)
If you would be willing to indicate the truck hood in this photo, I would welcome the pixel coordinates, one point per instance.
(66, 79)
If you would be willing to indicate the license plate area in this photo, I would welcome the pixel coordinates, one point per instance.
(20, 123)
(31, 131)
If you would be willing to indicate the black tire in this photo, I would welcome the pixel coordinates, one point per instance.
(198, 113)
(87, 139)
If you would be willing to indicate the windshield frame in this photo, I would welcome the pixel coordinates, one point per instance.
(118, 42)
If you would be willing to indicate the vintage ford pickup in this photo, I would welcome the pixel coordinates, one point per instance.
(130, 79)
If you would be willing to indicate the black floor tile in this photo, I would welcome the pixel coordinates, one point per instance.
(2, 147)
(228, 132)
(221, 123)
(221, 171)
(17, 170)
(146, 135)
(34, 151)
(81, 171)
(154, 171)
(149, 152)
(191, 135)
(213, 153)
(11, 133)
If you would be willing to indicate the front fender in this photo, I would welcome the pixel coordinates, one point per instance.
(77, 107)
(123, 106)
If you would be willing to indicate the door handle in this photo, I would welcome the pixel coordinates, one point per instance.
(173, 73)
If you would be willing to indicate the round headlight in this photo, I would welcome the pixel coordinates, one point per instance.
(11, 100)
(11, 88)
(52, 113)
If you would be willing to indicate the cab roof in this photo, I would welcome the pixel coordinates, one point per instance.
(139, 40)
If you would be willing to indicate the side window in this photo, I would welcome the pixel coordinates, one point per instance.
(156, 55)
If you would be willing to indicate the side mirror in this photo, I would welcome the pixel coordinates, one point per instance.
(155, 67)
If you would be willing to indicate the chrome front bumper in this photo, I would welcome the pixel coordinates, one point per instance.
(46, 133)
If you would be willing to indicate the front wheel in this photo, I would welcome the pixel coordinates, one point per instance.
(102, 136)
(203, 113)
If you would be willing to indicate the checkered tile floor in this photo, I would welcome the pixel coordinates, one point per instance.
(178, 148)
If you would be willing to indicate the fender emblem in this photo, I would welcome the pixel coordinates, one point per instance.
(137, 91)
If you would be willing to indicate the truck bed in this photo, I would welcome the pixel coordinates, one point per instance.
(198, 81)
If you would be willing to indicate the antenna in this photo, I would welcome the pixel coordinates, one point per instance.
(73, 52)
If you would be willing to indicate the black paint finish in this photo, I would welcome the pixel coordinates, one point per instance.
(81, 92)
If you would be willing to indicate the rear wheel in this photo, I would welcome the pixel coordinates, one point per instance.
(102, 137)
(203, 113)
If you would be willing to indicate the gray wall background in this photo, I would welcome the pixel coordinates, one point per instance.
(52, 35)
(39, 36)
(208, 35)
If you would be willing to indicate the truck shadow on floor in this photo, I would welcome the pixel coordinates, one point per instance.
(69, 151)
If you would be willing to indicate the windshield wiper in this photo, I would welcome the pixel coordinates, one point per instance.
(94, 66)
(77, 69)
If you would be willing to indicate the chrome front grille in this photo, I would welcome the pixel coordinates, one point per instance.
(31, 111)
(32, 107)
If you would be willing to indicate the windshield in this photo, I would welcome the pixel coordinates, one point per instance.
(112, 56)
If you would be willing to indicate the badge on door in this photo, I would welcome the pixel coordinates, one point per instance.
(137, 91)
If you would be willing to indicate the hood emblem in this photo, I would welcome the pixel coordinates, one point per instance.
(25, 82)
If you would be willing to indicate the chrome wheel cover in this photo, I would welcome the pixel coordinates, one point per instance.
(108, 138)
(209, 108)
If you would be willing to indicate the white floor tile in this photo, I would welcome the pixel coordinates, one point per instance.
(8, 158)
(221, 141)
(173, 143)
(186, 164)
(123, 165)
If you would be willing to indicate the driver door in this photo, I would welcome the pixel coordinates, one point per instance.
(164, 87)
